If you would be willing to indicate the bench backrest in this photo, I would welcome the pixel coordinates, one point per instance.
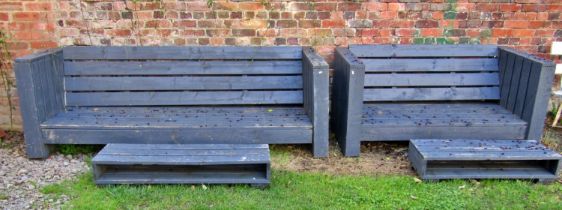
(429, 72)
(160, 76)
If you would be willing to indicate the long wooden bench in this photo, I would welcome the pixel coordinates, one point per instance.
(402, 92)
(173, 95)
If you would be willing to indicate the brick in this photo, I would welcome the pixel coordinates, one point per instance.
(38, 6)
(217, 32)
(349, 6)
(286, 23)
(250, 6)
(454, 32)
(426, 24)
(4, 16)
(11, 6)
(405, 32)
(29, 16)
(431, 32)
(497, 32)
(309, 23)
(333, 23)
(515, 24)
(325, 6)
(186, 23)
(243, 32)
(360, 23)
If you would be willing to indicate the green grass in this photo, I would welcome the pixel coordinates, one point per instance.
(291, 190)
(71, 149)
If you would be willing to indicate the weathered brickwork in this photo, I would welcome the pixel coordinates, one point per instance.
(530, 25)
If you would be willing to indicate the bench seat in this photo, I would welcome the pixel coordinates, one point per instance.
(168, 124)
(174, 94)
(444, 120)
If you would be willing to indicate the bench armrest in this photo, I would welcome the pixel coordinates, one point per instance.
(525, 86)
(39, 80)
(315, 94)
(347, 103)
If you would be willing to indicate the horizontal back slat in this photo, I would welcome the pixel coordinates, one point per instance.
(430, 65)
(182, 83)
(88, 68)
(431, 94)
(429, 72)
(446, 79)
(424, 50)
(183, 98)
(162, 76)
(180, 53)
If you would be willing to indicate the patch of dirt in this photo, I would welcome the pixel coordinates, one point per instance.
(377, 158)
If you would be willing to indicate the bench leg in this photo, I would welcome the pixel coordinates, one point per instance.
(350, 147)
(37, 151)
(34, 146)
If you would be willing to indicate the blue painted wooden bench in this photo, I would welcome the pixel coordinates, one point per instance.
(173, 95)
(402, 92)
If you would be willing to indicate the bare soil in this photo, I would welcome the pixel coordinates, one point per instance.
(377, 158)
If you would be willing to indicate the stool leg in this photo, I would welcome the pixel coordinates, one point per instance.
(557, 117)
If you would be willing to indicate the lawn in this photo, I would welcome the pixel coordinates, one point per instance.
(290, 190)
(315, 190)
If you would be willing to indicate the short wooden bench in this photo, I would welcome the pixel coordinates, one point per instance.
(436, 159)
(182, 164)
(402, 92)
(173, 95)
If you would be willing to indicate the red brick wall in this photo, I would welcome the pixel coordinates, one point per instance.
(530, 25)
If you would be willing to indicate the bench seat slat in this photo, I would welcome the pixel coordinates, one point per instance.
(101, 135)
(182, 98)
(268, 111)
(210, 119)
(183, 83)
(431, 65)
(93, 68)
(431, 94)
(412, 80)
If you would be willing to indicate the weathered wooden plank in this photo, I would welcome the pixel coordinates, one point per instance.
(93, 68)
(431, 94)
(168, 112)
(185, 146)
(522, 89)
(316, 98)
(63, 121)
(182, 98)
(433, 108)
(431, 116)
(424, 50)
(347, 101)
(182, 83)
(431, 65)
(412, 80)
(404, 133)
(514, 86)
(180, 136)
(452, 121)
(506, 79)
(180, 52)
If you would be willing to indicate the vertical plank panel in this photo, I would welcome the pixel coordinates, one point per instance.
(523, 85)
(506, 80)
(514, 87)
